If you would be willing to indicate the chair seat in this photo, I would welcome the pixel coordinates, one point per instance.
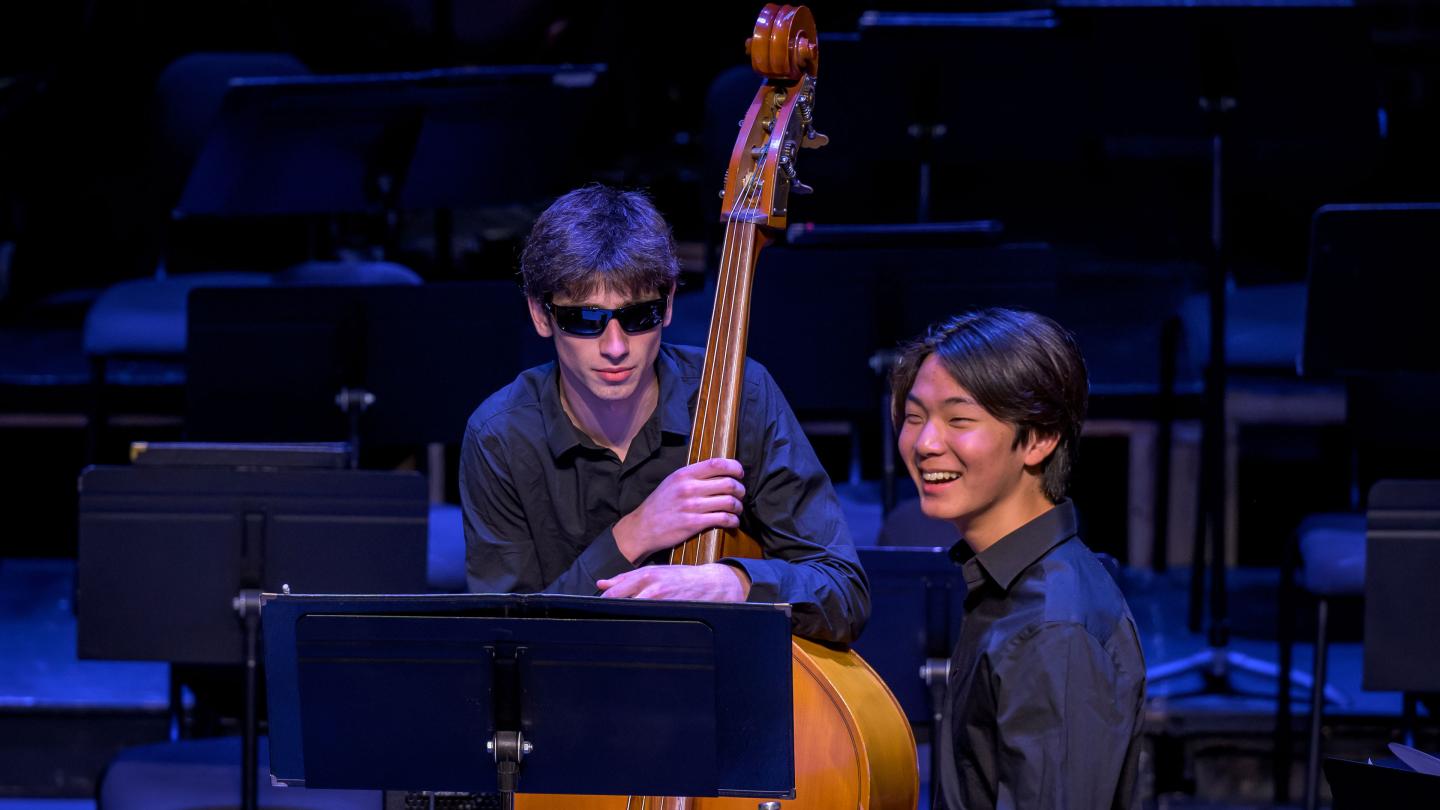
(146, 317)
(1332, 550)
(1264, 326)
(445, 554)
(205, 775)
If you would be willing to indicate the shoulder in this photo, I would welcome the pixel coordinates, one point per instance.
(514, 407)
(1077, 588)
(1065, 592)
(689, 362)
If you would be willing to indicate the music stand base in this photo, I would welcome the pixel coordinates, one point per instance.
(1216, 664)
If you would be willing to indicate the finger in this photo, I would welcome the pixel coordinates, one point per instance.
(716, 520)
(714, 467)
(718, 503)
(626, 584)
(724, 485)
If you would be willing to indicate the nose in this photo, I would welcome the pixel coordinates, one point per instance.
(614, 343)
(928, 441)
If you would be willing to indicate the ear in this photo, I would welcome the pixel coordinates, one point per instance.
(540, 318)
(1039, 448)
(669, 306)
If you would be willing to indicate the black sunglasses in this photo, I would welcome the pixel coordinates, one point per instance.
(588, 321)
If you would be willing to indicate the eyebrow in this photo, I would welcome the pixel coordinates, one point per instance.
(950, 401)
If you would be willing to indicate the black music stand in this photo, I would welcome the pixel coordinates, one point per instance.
(380, 144)
(267, 363)
(1402, 554)
(546, 694)
(917, 598)
(172, 559)
(1386, 783)
(1261, 112)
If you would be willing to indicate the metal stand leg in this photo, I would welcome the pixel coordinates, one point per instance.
(1317, 706)
(247, 604)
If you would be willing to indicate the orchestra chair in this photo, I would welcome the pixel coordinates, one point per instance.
(445, 550)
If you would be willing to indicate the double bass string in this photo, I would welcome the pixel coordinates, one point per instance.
(721, 333)
(726, 336)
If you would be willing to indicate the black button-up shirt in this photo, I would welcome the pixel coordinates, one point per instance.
(541, 499)
(1047, 685)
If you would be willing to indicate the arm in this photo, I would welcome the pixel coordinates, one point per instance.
(792, 510)
(500, 552)
(1064, 723)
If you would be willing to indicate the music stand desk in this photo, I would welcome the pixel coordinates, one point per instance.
(589, 695)
(367, 143)
(1363, 785)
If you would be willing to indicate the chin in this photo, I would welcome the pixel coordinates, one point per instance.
(936, 508)
(600, 390)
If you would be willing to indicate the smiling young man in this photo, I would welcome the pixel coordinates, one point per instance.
(574, 476)
(1045, 695)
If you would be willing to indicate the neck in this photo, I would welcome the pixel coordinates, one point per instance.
(610, 423)
(983, 530)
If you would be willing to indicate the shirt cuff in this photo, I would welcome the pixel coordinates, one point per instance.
(764, 581)
(602, 558)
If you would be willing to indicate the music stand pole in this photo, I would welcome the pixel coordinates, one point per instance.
(247, 606)
(1217, 662)
(1212, 465)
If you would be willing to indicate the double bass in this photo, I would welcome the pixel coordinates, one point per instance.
(853, 745)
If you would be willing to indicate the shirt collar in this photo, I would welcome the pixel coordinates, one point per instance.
(1008, 557)
(675, 394)
(561, 433)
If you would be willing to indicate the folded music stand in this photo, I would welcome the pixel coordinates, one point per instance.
(482, 693)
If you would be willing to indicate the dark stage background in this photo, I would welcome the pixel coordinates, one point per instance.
(1058, 156)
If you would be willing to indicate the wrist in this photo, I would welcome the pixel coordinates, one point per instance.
(743, 576)
(625, 540)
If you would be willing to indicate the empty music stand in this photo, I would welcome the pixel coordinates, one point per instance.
(173, 556)
(1402, 554)
(1257, 121)
(380, 143)
(917, 599)
(1387, 783)
(534, 693)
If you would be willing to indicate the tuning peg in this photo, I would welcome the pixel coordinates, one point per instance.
(814, 140)
(797, 187)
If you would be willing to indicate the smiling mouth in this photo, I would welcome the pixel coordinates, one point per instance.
(938, 477)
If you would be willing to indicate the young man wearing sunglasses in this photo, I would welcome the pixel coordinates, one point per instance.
(574, 476)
